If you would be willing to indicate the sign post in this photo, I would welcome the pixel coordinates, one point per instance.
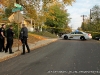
(17, 17)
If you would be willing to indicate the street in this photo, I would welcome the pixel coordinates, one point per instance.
(63, 57)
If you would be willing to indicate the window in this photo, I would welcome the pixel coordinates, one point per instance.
(73, 33)
(79, 33)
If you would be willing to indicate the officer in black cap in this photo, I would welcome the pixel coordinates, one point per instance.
(23, 37)
(10, 34)
(2, 37)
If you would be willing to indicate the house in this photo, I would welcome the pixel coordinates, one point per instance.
(21, 19)
(28, 23)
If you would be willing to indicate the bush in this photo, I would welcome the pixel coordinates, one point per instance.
(94, 34)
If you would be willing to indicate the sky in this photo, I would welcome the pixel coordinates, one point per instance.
(79, 8)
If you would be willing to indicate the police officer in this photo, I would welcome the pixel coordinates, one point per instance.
(23, 37)
(2, 37)
(10, 34)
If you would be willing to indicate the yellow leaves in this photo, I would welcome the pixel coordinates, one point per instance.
(7, 2)
(51, 11)
(69, 2)
(47, 14)
(1, 10)
(51, 16)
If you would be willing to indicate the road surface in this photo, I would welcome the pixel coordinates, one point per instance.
(63, 57)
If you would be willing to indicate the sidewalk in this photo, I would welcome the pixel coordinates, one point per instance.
(5, 56)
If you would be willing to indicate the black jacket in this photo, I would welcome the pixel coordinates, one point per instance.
(2, 30)
(23, 33)
(10, 33)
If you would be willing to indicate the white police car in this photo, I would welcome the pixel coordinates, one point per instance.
(77, 35)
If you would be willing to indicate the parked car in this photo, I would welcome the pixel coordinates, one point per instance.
(97, 38)
(77, 35)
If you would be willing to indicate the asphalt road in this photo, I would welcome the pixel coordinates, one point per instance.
(64, 57)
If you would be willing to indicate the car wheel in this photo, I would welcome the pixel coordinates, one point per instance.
(82, 38)
(65, 37)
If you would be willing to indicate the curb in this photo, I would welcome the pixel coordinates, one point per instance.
(35, 45)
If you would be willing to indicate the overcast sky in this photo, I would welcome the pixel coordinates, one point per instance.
(80, 7)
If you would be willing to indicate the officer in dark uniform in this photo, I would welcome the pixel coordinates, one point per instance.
(2, 37)
(10, 34)
(23, 37)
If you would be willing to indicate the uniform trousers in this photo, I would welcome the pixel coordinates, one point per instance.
(2, 42)
(9, 44)
(24, 42)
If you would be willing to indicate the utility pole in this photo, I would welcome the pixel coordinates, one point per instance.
(83, 16)
(90, 16)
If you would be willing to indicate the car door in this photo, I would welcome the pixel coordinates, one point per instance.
(72, 34)
(75, 35)
(78, 35)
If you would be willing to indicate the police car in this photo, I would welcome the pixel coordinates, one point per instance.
(77, 35)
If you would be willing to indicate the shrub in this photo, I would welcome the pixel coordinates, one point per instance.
(94, 34)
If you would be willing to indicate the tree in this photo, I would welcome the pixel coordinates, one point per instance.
(6, 9)
(95, 20)
(57, 17)
(36, 9)
(95, 14)
(79, 28)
